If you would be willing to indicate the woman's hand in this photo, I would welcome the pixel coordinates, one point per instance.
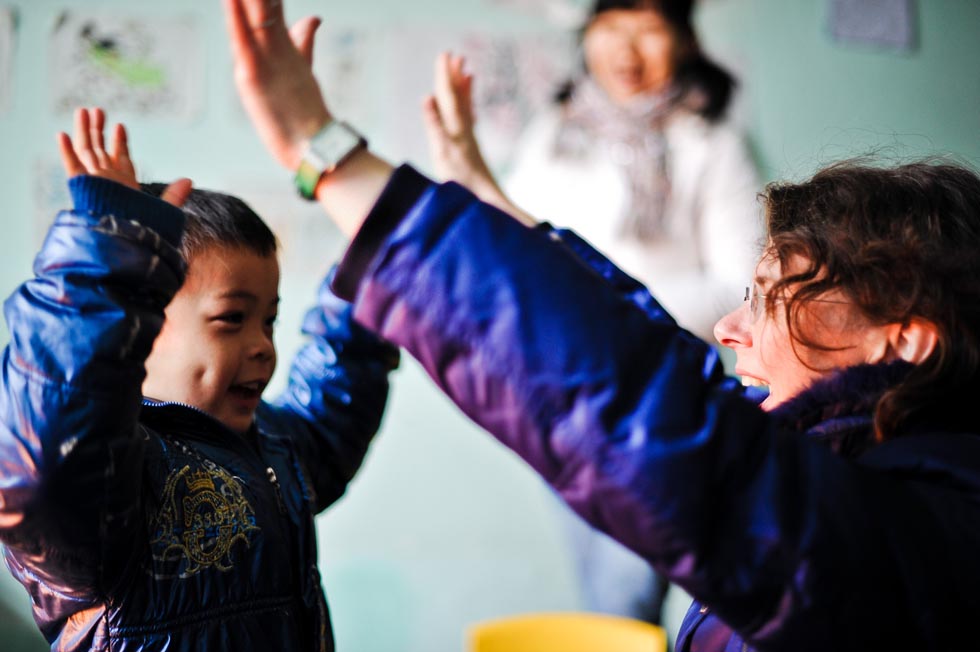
(87, 154)
(274, 76)
(449, 123)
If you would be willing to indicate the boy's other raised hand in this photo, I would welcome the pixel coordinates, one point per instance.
(274, 76)
(86, 153)
(455, 151)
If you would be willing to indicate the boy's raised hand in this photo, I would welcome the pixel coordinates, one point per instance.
(87, 154)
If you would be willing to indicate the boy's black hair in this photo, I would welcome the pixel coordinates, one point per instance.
(215, 219)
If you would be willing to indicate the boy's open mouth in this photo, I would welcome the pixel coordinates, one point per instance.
(250, 390)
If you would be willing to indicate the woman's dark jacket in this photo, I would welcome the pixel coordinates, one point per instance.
(789, 544)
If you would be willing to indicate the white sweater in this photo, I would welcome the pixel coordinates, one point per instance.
(713, 218)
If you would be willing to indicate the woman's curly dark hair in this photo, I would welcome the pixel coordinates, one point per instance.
(902, 243)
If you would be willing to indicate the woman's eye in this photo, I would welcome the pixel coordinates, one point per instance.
(231, 317)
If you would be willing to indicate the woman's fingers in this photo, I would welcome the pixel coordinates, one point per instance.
(445, 94)
(466, 99)
(302, 34)
(432, 117)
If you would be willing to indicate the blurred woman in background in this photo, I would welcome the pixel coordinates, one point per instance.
(637, 156)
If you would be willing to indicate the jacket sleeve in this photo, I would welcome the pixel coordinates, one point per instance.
(627, 416)
(335, 396)
(80, 331)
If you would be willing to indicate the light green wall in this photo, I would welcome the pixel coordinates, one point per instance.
(811, 100)
(442, 527)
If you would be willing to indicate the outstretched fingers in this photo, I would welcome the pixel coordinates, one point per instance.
(177, 192)
(96, 128)
(85, 152)
(302, 34)
(82, 138)
(264, 14)
(274, 76)
(243, 45)
(445, 96)
(69, 159)
(119, 153)
(432, 118)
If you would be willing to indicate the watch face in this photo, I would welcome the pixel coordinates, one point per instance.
(333, 144)
(330, 147)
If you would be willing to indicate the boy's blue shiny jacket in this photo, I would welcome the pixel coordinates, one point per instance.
(793, 530)
(151, 526)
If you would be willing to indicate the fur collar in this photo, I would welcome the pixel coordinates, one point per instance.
(838, 409)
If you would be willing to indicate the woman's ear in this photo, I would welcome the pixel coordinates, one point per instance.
(912, 342)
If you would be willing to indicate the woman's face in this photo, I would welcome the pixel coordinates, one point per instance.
(766, 353)
(630, 52)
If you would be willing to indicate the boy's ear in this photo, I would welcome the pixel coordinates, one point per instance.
(912, 342)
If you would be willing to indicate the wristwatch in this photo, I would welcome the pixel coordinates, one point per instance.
(324, 153)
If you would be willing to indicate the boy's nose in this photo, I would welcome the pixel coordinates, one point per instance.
(733, 329)
(262, 347)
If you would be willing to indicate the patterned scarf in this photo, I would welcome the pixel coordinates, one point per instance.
(634, 136)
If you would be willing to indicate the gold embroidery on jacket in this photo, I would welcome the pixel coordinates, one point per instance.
(203, 515)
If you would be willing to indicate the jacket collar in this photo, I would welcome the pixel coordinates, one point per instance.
(838, 409)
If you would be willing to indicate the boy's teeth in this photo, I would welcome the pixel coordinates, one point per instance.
(749, 381)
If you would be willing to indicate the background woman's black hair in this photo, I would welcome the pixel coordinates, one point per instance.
(706, 86)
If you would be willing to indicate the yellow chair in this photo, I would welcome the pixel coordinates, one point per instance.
(566, 632)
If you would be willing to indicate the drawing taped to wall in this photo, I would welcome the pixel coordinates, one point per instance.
(8, 22)
(563, 13)
(127, 64)
(515, 76)
(888, 24)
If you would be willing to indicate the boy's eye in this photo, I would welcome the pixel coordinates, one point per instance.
(271, 321)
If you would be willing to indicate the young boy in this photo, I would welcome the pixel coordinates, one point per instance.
(149, 499)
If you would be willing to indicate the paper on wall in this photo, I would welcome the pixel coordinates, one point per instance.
(8, 22)
(134, 64)
(514, 77)
(563, 13)
(880, 23)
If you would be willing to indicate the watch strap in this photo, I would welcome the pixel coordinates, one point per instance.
(325, 152)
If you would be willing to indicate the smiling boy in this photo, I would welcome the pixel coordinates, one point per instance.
(149, 498)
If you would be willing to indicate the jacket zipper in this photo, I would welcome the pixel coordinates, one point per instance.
(271, 474)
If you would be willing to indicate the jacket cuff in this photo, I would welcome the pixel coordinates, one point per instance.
(403, 190)
(100, 196)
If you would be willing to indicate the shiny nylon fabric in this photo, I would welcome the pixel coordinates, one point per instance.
(559, 356)
(151, 527)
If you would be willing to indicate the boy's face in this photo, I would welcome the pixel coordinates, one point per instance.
(215, 350)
